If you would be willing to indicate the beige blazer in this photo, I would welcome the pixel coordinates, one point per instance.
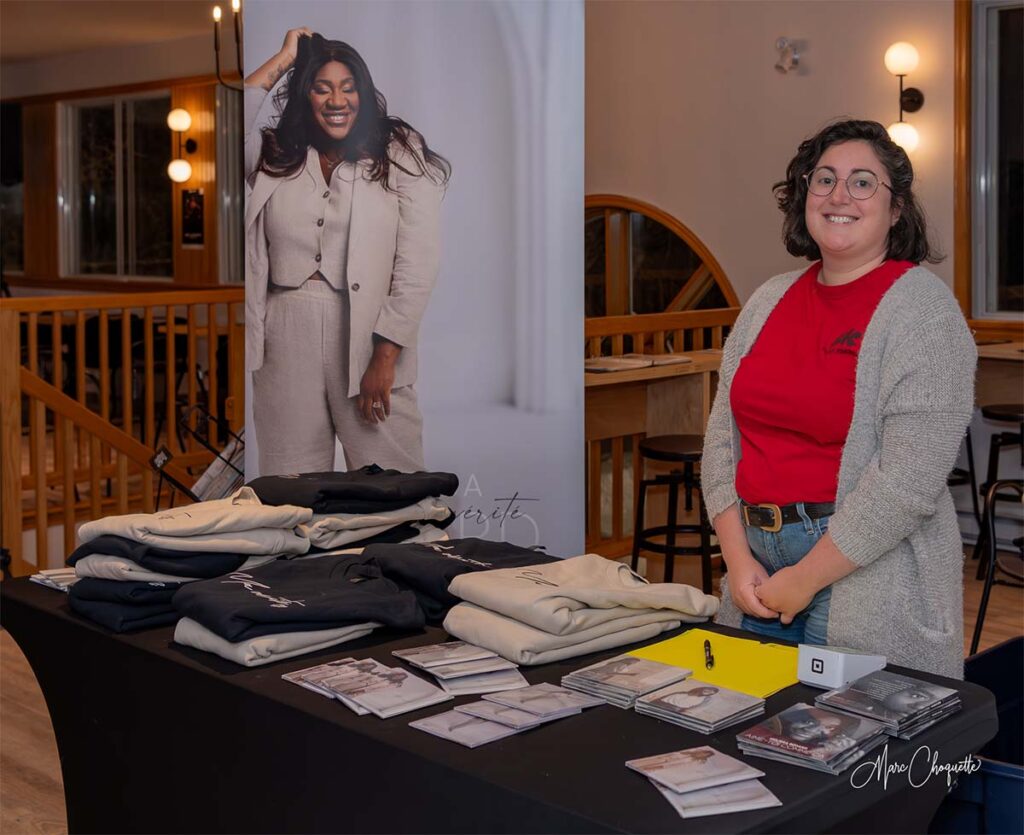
(394, 254)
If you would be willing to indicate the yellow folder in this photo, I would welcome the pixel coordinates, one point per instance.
(740, 663)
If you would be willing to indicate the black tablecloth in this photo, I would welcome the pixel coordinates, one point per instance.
(154, 737)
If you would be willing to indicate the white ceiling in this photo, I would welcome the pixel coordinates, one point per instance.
(31, 29)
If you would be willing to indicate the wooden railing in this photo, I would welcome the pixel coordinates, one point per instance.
(102, 382)
(658, 333)
(634, 404)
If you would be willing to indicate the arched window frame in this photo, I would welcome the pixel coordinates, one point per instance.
(617, 248)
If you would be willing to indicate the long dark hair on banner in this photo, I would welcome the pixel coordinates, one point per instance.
(374, 136)
(908, 238)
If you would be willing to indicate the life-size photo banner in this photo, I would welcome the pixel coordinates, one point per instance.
(414, 207)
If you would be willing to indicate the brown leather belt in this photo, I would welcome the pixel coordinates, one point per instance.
(771, 517)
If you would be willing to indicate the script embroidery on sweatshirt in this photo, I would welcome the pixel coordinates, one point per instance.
(252, 586)
(531, 575)
(447, 551)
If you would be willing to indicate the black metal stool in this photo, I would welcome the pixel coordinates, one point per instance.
(674, 449)
(1004, 413)
(959, 477)
(1014, 489)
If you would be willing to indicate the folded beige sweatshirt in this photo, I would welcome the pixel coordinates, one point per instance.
(239, 524)
(526, 645)
(575, 594)
(266, 648)
(333, 530)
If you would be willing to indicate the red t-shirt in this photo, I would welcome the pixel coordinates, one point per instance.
(792, 395)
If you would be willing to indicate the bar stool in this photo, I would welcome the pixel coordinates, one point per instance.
(1003, 413)
(959, 477)
(683, 450)
(1003, 491)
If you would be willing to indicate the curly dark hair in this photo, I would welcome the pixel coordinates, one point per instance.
(908, 238)
(372, 137)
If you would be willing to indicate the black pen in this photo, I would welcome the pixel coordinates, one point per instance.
(709, 659)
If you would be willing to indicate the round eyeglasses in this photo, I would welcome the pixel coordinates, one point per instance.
(860, 185)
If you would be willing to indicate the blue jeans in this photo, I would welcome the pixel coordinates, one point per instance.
(785, 547)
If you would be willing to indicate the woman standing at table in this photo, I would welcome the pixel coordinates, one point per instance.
(844, 393)
(342, 251)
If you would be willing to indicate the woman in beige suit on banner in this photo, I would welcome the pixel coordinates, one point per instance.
(342, 252)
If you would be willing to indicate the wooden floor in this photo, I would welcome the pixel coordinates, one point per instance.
(31, 790)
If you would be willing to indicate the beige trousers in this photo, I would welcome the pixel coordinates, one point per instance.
(299, 394)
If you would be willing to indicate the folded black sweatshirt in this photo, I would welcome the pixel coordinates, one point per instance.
(129, 593)
(123, 607)
(160, 560)
(297, 596)
(366, 490)
(428, 568)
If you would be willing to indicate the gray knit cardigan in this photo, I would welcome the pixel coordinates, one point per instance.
(894, 514)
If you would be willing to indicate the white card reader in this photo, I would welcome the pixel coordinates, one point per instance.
(831, 667)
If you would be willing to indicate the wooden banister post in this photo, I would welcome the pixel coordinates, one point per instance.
(10, 441)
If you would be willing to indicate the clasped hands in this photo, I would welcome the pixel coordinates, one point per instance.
(783, 595)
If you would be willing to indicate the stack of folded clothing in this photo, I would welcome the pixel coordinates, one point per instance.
(568, 608)
(124, 606)
(337, 530)
(116, 558)
(135, 563)
(239, 525)
(428, 569)
(288, 608)
(371, 504)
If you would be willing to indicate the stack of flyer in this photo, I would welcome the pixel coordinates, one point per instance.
(905, 706)
(60, 579)
(462, 669)
(500, 715)
(368, 686)
(813, 737)
(700, 706)
(703, 781)
(620, 681)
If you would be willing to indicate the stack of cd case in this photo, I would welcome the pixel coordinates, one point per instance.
(623, 679)
(699, 706)
(905, 706)
(812, 737)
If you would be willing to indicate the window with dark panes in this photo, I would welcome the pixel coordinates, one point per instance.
(1010, 165)
(594, 269)
(118, 218)
(634, 263)
(998, 159)
(12, 214)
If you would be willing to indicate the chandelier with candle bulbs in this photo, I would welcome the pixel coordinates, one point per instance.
(236, 18)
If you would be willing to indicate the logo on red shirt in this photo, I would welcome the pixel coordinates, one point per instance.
(846, 343)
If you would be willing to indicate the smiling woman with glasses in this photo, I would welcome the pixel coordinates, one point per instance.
(844, 392)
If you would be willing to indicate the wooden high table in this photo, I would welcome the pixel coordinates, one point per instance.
(1000, 377)
(658, 400)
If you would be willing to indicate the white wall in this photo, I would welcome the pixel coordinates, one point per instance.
(180, 58)
(685, 110)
